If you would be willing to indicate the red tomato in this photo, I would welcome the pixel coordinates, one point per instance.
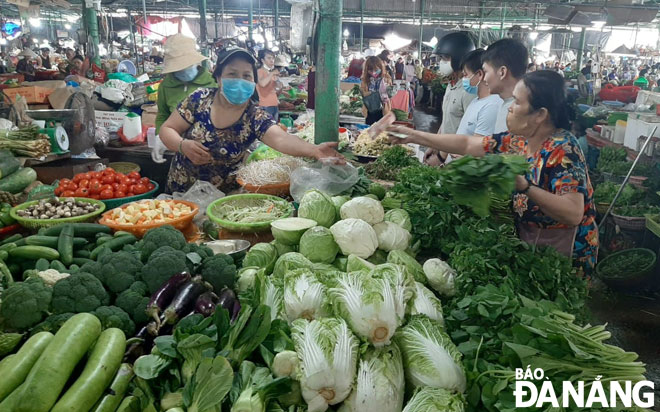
(121, 188)
(83, 183)
(114, 186)
(77, 178)
(96, 196)
(89, 176)
(139, 189)
(82, 192)
(134, 175)
(58, 191)
(95, 187)
(150, 187)
(119, 177)
(68, 193)
(94, 181)
(107, 187)
(145, 181)
(120, 194)
(107, 194)
(108, 179)
(95, 175)
(64, 182)
(108, 171)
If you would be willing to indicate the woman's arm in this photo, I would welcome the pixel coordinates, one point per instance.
(567, 208)
(289, 144)
(265, 80)
(450, 143)
(170, 134)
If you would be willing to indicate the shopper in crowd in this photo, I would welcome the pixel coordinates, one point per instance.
(70, 54)
(531, 67)
(375, 81)
(451, 50)
(398, 69)
(26, 65)
(269, 83)
(553, 204)
(386, 57)
(409, 74)
(212, 129)
(183, 75)
(419, 69)
(45, 58)
(355, 68)
(504, 64)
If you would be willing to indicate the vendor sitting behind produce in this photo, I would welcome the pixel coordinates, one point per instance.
(553, 203)
(213, 128)
(184, 75)
(26, 66)
(45, 58)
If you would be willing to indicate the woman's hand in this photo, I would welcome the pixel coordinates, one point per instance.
(521, 183)
(401, 134)
(328, 150)
(196, 152)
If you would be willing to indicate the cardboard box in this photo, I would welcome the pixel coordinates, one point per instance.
(32, 94)
(59, 97)
(346, 86)
(110, 120)
(149, 113)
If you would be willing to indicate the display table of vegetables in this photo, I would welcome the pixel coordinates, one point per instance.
(340, 312)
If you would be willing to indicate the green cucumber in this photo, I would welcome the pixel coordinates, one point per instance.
(34, 252)
(3, 255)
(81, 261)
(129, 404)
(65, 245)
(82, 253)
(11, 239)
(42, 264)
(103, 363)
(122, 233)
(58, 266)
(15, 370)
(52, 241)
(9, 403)
(74, 268)
(47, 378)
(79, 229)
(118, 387)
(15, 269)
(17, 181)
(103, 239)
(114, 244)
(8, 246)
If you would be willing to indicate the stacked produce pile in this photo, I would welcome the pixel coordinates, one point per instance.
(105, 185)
(269, 171)
(27, 141)
(339, 312)
(14, 178)
(350, 103)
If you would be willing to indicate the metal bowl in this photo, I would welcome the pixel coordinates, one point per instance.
(236, 248)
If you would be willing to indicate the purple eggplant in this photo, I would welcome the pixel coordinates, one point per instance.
(235, 310)
(206, 303)
(163, 296)
(136, 345)
(185, 299)
(227, 299)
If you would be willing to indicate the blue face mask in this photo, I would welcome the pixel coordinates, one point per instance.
(468, 87)
(237, 91)
(187, 75)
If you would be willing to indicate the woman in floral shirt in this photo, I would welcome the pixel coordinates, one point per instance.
(213, 128)
(553, 203)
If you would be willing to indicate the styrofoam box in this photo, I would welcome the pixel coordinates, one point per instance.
(110, 120)
(607, 132)
(640, 125)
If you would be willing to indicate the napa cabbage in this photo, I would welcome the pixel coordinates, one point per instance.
(304, 296)
(441, 277)
(426, 303)
(435, 399)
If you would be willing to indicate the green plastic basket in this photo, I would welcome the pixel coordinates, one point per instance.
(113, 203)
(39, 223)
(247, 200)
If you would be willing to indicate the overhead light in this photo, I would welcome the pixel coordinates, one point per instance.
(346, 33)
(533, 35)
(67, 26)
(433, 41)
(35, 41)
(72, 19)
(275, 49)
(598, 23)
(35, 22)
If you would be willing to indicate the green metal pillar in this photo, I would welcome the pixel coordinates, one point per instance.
(502, 21)
(583, 40)
(481, 22)
(92, 26)
(422, 6)
(362, 7)
(277, 20)
(328, 72)
(203, 32)
(250, 18)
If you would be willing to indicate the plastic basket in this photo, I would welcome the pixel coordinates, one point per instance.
(181, 223)
(277, 189)
(632, 280)
(629, 223)
(125, 167)
(39, 223)
(247, 200)
(602, 207)
(114, 203)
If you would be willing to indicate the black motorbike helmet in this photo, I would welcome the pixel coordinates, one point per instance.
(456, 45)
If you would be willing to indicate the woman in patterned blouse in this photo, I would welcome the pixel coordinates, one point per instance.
(212, 128)
(553, 203)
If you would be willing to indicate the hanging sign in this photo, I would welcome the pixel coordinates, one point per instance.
(62, 34)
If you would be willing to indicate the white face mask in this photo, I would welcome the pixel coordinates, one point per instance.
(444, 67)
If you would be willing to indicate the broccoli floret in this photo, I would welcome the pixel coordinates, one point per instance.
(80, 292)
(25, 303)
(134, 303)
(119, 270)
(163, 264)
(140, 288)
(114, 317)
(203, 251)
(94, 268)
(220, 271)
(51, 324)
(161, 236)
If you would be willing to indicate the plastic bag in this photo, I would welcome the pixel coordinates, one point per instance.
(203, 194)
(325, 176)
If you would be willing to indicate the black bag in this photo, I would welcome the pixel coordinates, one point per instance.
(373, 103)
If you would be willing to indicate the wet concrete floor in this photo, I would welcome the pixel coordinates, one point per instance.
(633, 320)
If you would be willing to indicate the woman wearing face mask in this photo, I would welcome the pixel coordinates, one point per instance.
(184, 75)
(373, 87)
(269, 83)
(213, 128)
(553, 204)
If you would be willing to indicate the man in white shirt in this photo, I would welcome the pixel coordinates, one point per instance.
(504, 64)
